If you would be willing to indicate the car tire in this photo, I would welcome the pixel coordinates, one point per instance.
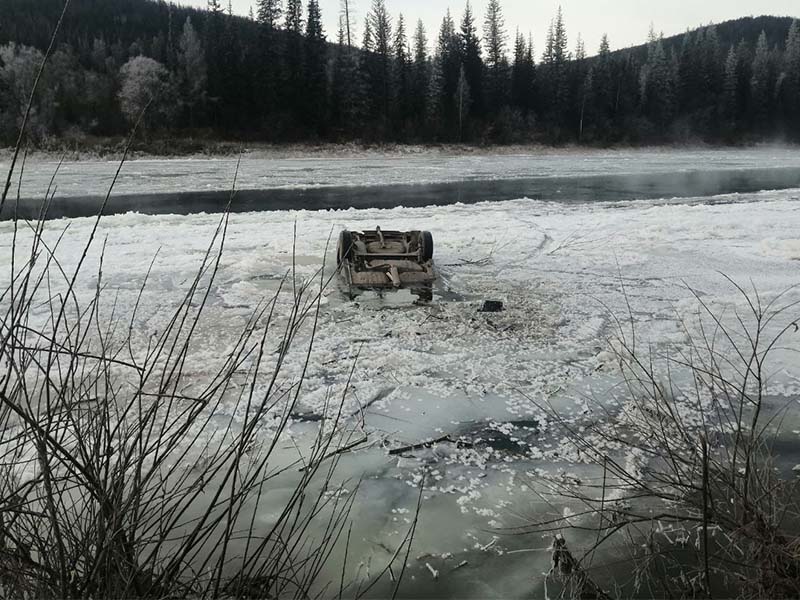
(426, 243)
(345, 247)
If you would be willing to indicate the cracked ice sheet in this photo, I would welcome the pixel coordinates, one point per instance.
(445, 369)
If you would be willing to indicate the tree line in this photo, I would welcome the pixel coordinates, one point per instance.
(275, 75)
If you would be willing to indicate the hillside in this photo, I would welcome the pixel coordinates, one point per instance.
(744, 30)
(279, 79)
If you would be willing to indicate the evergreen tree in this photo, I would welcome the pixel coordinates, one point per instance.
(346, 24)
(213, 43)
(580, 85)
(294, 80)
(269, 13)
(316, 49)
(193, 74)
(760, 84)
(494, 38)
(791, 78)
(462, 102)
(522, 75)
(449, 66)
(658, 88)
(421, 70)
(347, 89)
(472, 60)
(232, 100)
(580, 49)
(601, 103)
(268, 71)
(380, 73)
(434, 110)
(367, 43)
(555, 84)
(402, 74)
(731, 89)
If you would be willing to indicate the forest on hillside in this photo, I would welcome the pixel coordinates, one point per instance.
(278, 76)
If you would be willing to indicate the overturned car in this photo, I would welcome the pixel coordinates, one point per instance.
(385, 260)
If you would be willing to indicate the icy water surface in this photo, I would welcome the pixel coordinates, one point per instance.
(636, 233)
(196, 186)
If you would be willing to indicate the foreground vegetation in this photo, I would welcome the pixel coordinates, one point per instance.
(687, 490)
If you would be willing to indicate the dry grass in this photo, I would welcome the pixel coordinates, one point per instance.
(686, 499)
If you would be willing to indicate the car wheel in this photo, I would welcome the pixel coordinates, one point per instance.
(426, 242)
(345, 247)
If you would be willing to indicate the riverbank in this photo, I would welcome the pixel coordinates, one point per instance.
(183, 148)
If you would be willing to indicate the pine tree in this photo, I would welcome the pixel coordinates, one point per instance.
(554, 75)
(658, 87)
(448, 54)
(347, 89)
(193, 71)
(346, 24)
(213, 44)
(791, 75)
(580, 49)
(402, 73)
(760, 84)
(294, 16)
(462, 101)
(367, 44)
(269, 13)
(601, 105)
(421, 70)
(232, 90)
(731, 89)
(496, 62)
(522, 74)
(294, 77)
(380, 75)
(434, 110)
(268, 77)
(560, 54)
(472, 60)
(315, 69)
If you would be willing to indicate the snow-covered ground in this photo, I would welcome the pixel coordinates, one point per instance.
(562, 272)
(171, 175)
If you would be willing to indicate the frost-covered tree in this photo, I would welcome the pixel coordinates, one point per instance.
(19, 65)
(269, 13)
(146, 90)
(730, 101)
(760, 82)
(435, 93)
(658, 87)
(791, 76)
(193, 72)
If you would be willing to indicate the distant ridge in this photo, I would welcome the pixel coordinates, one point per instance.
(731, 32)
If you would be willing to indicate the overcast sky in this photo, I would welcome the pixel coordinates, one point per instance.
(626, 21)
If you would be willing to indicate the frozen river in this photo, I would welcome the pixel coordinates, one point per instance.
(203, 185)
(563, 270)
